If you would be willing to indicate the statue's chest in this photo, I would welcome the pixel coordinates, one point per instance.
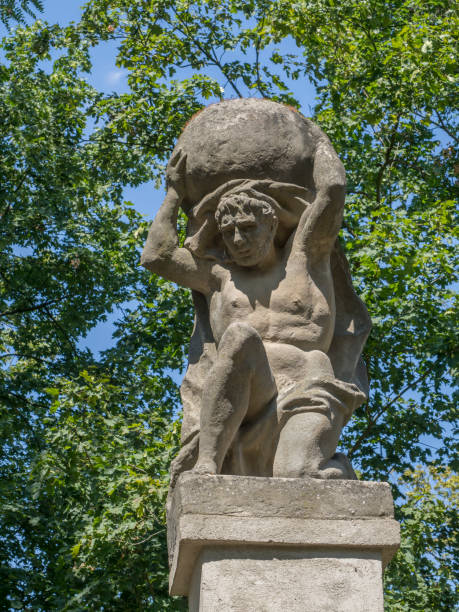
(263, 304)
(235, 302)
(228, 306)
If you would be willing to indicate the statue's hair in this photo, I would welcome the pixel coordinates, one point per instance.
(234, 203)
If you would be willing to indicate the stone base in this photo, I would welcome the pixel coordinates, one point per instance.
(287, 580)
(280, 544)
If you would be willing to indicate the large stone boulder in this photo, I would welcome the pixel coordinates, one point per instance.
(247, 138)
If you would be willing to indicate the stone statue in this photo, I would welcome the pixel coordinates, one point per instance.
(275, 367)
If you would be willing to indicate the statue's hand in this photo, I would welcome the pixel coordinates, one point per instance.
(176, 173)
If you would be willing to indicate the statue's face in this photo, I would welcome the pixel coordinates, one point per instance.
(249, 237)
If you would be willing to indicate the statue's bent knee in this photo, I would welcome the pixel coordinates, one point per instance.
(239, 337)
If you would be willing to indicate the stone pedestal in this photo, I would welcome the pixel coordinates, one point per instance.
(243, 544)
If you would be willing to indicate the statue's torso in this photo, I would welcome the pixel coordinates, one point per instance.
(290, 304)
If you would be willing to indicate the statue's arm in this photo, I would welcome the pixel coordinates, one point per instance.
(321, 222)
(162, 254)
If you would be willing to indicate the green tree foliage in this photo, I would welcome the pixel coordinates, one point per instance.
(87, 439)
(17, 10)
(84, 439)
(423, 574)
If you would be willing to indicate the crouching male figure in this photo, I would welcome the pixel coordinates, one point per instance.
(278, 389)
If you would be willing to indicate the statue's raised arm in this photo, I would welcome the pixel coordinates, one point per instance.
(319, 226)
(162, 253)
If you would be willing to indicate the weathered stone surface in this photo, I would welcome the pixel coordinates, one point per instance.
(246, 139)
(289, 497)
(275, 370)
(290, 580)
(243, 514)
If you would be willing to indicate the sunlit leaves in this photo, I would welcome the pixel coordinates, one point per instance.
(17, 10)
(72, 422)
(426, 568)
(104, 479)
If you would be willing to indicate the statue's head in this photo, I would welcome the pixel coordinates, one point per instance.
(248, 226)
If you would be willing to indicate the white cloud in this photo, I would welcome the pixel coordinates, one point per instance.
(114, 76)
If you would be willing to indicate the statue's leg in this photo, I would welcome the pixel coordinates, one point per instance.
(308, 439)
(239, 386)
(307, 445)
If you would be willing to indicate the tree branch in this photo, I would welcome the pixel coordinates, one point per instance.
(442, 126)
(16, 189)
(387, 160)
(48, 313)
(24, 356)
(380, 412)
(260, 85)
(212, 58)
(27, 308)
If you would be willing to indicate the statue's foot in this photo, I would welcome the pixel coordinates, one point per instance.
(205, 467)
(337, 468)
